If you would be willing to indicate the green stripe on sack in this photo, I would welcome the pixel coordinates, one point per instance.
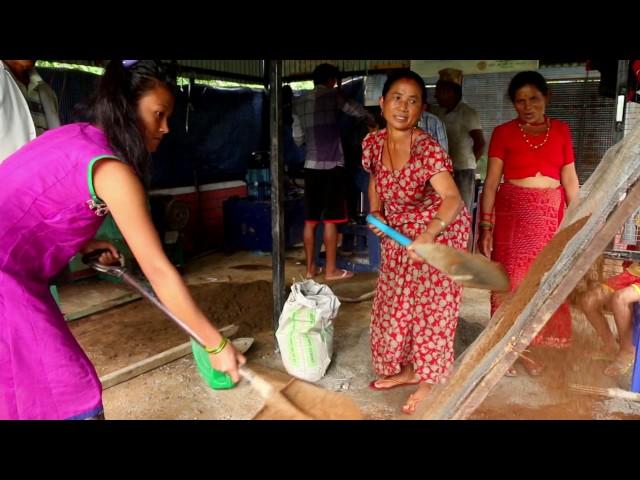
(293, 357)
(311, 317)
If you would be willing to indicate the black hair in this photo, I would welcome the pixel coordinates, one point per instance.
(396, 75)
(527, 78)
(325, 72)
(113, 107)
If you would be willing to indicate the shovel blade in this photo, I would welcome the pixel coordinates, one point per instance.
(303, 401)
(469, 270)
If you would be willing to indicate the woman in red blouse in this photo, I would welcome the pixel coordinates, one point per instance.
(411, 188)
(534, 153)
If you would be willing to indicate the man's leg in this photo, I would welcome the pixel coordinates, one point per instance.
(466, 182)
(622, 306)
(312, 214)
(330, 247)
(309, 247)
(335, 211)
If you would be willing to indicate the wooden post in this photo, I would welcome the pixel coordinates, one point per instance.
(277, 189)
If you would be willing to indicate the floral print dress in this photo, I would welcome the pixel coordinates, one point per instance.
(415, 309)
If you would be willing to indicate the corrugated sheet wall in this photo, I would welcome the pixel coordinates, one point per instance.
(632, 116)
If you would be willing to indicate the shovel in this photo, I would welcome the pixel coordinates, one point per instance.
(298, 400)
(469, 270)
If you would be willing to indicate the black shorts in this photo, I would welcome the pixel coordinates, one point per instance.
(325, 196)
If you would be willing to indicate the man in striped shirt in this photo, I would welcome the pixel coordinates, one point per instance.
(431, 124)
(315, 124)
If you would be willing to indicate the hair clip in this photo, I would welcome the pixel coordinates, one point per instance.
(129, 63)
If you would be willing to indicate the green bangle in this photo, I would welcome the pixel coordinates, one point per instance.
(218, 349)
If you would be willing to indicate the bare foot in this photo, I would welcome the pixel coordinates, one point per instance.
(622, 364)
(416, 397)
(339, 274)
(405, 377)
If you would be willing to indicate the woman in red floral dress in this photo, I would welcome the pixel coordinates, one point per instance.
(411, 188)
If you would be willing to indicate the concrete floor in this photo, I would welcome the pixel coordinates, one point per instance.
(132, 332)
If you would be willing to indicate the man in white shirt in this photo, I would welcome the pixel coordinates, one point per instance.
(28, 106)
(464, 132)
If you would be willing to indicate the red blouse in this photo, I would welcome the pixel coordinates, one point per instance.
(521, 161)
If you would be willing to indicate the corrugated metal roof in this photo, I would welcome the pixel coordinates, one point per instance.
(254, 69)
(294, 68)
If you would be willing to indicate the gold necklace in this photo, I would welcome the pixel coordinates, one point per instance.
(393, 169)
(539, 145)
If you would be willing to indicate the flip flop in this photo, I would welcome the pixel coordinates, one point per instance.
(345, 274)
(373, 385)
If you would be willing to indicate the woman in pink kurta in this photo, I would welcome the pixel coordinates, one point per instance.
(56, 191)
(415, 309)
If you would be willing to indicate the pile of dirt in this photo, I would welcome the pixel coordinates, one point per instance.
(248, 305)
(548, 396)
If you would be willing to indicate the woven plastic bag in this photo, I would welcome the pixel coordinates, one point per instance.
(305, 330)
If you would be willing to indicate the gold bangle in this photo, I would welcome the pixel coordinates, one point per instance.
(218, 349)
(442, 222)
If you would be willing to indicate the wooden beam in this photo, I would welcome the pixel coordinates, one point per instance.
(143, 366)
(277, 190)
(101, 307)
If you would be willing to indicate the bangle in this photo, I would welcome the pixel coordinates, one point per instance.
(218, 349)
(486, 225)
(442, 222)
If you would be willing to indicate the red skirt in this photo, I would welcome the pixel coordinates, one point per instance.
(526, 220)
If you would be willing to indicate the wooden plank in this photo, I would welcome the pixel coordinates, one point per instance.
(545, 287)
(101, 307)
(143, 366)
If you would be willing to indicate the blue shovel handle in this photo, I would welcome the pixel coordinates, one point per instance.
(387, 230)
